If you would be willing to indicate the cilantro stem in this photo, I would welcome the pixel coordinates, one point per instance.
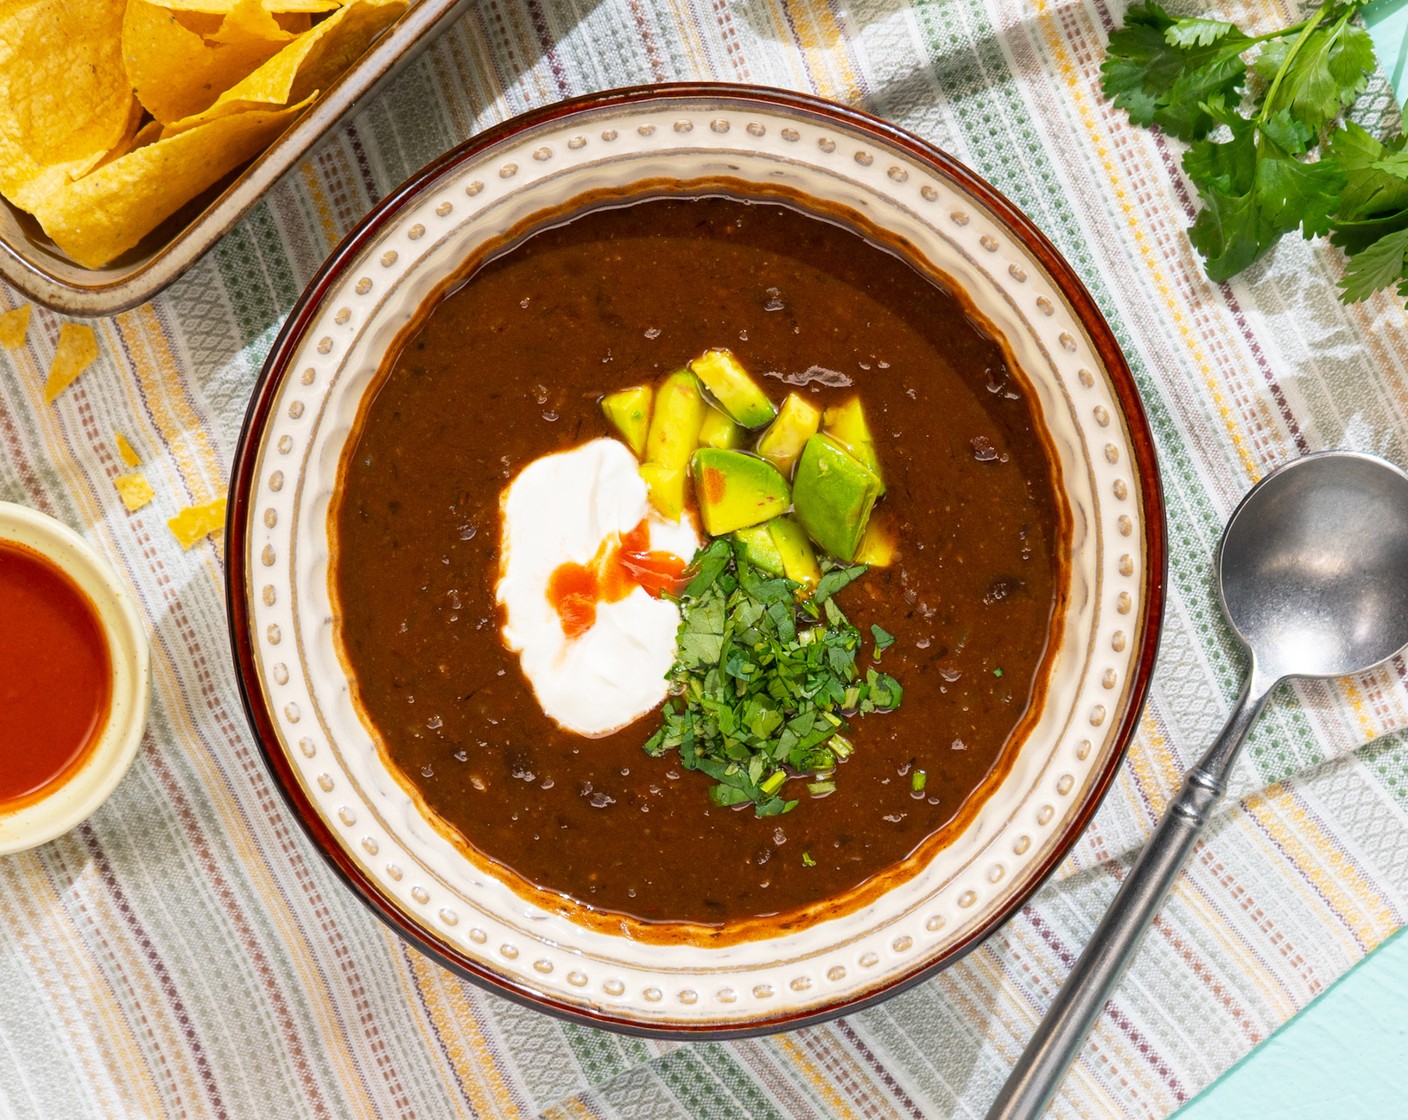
(1306, 31)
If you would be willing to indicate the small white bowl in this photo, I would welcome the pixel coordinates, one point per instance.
(79, 796)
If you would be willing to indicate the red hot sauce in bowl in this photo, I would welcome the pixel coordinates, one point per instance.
(55, 677)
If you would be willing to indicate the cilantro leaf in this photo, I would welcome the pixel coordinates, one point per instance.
(883, 640)
(1383, 264)
(1321, 71)
(1161, 70)
(1374, 202)
(1197, 32)
(836, 579)
(1254, 190)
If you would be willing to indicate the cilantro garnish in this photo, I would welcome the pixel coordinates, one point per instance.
(764, 682)
(1269, 152)
(883, 640)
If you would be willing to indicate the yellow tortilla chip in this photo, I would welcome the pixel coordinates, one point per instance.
(177, 72)
(195, 522)
(134, 490)
(77, 348)
(312, 62)
(102, 215)
(127, 451)
(249, 22)
(64, 96)
(223, 7)
(14, 327)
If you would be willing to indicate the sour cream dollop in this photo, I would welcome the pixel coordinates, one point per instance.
(573, 508)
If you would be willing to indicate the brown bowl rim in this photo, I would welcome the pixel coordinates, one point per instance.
(277, 366)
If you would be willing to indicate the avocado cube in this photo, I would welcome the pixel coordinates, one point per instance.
(834, 494)
(735, 489)
(629, 413)
(846, 424)
(758, 547)
(719, 430)
(877, 546)
(797, 421)
(733, 387)
(674, 428)
(665, 488)
(798, 559)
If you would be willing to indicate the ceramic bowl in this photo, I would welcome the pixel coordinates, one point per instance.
(75, 799)
(303, 408)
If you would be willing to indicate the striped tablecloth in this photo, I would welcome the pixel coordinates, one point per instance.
(186, 953)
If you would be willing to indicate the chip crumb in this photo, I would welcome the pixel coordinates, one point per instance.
(127, 451)
(14, 327)
(134, 490)
(195, 522)
(78, 346)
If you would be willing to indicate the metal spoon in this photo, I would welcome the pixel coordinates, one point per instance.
(1312, 573)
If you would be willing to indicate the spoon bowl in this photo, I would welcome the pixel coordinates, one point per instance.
(1313, 566)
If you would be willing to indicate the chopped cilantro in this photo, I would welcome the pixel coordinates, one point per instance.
(883, 640)
(997, 672)
(807, 860)
(764, 682)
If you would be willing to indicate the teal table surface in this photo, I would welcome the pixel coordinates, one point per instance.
(1342, 1055)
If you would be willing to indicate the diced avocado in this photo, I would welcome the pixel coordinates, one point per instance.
(735, 489)
(629, 412)
(758, 547)
(877, 546)
(834, 494)
(666, 488)
(719, 430)
(798, 559)
(674, 428)
(846, 424)
(797, 421)
(733, 387)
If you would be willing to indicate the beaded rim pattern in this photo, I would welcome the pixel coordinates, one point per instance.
(298, 700)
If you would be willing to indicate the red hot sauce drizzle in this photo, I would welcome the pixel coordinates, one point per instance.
(621, 564)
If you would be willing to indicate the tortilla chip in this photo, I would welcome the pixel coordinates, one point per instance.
(102, 215)
(195, 522)
(177, 72)
(312, 62)
(249, 22)
(14, 327)
(134, 490)
(77, 348)
(127, 451)
(223, 7)
(64, 96)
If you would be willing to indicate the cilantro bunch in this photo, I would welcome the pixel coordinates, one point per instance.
(1269, 151)
(764, 680)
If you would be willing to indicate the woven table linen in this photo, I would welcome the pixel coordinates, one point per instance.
(186, 953)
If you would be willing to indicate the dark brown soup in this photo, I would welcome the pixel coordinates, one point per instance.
(511, 366)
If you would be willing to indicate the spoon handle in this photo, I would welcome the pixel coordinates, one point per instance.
(1062, 1032)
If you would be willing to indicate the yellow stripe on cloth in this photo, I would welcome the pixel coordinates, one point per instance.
(454, 1027)
(146, 346)
(1316, 854)
(1137, 222)
(327, 220)
(98, 1032)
